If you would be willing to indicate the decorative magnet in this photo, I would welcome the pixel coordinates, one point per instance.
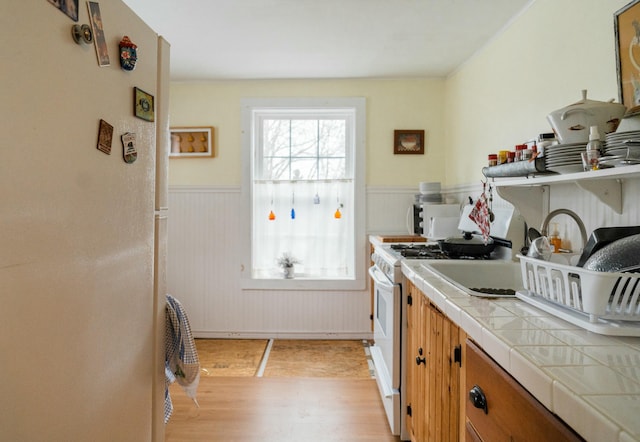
(272, 216)
(128, 54)
(99, 39)
(129, 151)
(82, 34)
(105, 136)
(143, 105)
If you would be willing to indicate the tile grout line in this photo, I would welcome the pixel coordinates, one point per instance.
(265, 358)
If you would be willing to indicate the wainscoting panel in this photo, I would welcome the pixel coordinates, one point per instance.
(204, 261)
(204, 273)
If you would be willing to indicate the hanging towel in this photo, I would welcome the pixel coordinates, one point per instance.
(181, 356)
(480, 215)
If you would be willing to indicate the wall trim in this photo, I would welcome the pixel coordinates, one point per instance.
(205, 188)
(279, 335)
(369, 189)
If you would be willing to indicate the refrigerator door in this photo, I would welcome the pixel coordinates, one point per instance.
(76, 230)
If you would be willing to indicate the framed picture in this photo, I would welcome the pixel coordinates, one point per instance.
(143, 104)
(99, 40)
(191, 142)
(69, 7)
(105, 137)
(628, 55)
(408, 142)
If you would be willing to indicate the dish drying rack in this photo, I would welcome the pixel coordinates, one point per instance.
(606, 303)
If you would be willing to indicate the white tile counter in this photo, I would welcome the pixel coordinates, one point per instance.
(591, 381)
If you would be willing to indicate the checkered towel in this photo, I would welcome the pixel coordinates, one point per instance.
(181, 357)
(480, 215)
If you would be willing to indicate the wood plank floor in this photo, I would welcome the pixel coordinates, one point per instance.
(255, 409)
(322, 405)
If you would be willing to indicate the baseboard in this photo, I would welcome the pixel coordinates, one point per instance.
(280, 335)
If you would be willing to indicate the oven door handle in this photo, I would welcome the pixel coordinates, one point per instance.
(379, 277)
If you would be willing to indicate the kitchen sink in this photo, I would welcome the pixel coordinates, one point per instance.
(489, 279)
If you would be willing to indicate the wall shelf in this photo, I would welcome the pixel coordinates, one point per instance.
(530, 195)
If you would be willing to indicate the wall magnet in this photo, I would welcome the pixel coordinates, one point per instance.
(105, 135)
(129, 151)
(128, 54)
(81, 34)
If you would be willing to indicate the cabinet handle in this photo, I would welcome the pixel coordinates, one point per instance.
(478, 399)
(420, 360)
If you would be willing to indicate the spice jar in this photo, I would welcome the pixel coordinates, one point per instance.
(511, 157)
(502, 156)
(493, 159)
(526, 154)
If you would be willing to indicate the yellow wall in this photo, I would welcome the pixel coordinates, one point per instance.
(497, 99)
(391, 104)
(541, 63)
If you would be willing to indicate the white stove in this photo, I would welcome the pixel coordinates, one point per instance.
(388, 317)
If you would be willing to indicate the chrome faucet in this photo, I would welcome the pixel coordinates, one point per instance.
(576, 218)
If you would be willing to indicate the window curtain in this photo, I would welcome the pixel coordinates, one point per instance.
(307, 226)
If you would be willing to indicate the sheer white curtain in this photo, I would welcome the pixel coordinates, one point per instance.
(306, 226)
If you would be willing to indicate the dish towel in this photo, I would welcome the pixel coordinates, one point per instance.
(181, 356)
(480, 215)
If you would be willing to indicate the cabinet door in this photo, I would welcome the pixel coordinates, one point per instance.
(415, 372)
(443, 378)
(433, 375)
(503, 409)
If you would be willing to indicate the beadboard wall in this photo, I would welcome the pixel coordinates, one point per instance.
(204, 271)
(204, 262)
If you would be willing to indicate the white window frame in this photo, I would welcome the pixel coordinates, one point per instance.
(249, 106)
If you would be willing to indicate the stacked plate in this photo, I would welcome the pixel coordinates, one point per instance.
(429, 192)
(564, 158)
(623, 144)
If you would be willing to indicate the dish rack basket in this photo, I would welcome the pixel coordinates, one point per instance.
(604, 297)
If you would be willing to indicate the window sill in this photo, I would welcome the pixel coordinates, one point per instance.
(300, 283)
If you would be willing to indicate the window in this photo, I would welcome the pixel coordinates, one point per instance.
(303, 190)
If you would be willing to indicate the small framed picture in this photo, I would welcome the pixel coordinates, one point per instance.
(143, 104)
(69, 7)
(627, 36)
(408, 142)
(105, 137)
(99, 39)
(191, 142)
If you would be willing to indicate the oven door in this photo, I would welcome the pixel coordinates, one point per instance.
(386, 350)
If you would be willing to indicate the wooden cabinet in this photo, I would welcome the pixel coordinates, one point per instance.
(499, 409)
(433, 361)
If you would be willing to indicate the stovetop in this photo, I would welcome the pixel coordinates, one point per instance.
(427, 251)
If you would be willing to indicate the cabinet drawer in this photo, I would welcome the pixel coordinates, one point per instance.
(503, 409)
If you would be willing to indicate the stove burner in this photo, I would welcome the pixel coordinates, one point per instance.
(416, 247)
(428, 251)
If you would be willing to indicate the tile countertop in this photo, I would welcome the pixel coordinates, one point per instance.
(591, 381)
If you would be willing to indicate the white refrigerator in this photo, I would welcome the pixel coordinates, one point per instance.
(82, 232)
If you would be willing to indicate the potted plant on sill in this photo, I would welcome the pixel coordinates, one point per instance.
(287, 261)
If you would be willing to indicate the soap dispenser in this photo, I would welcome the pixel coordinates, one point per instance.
(554, 239)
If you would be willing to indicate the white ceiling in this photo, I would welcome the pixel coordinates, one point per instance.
(267, 39)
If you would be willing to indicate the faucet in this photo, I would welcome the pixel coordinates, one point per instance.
(576, 218)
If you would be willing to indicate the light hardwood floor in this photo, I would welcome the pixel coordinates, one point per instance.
(258, 409)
